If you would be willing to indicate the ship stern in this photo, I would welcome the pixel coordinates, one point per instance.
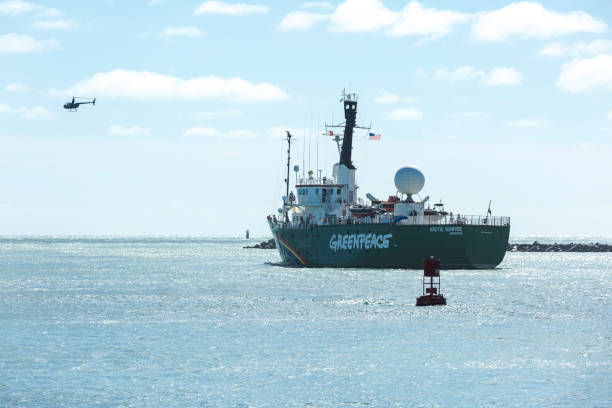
(485, 247)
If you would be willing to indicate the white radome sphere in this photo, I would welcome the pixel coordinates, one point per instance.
(409, 180)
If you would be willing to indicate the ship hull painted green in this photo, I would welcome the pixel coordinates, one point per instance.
(392, 245)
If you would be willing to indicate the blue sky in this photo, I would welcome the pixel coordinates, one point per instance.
(493, 100)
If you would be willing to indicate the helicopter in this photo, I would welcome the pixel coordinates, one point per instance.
(75, 105)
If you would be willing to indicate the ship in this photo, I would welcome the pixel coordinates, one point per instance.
(325, 223)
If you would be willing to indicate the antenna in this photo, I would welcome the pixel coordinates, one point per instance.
(318, 137)
(288, 160)
(309, 144)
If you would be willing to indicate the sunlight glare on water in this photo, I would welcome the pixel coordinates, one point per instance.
(202, 322)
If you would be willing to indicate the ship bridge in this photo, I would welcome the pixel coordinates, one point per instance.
(323, 190)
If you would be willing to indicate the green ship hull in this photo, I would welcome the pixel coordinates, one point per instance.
(392, 245)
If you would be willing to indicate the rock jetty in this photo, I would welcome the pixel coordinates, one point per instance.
(571, 247)
(269, 244)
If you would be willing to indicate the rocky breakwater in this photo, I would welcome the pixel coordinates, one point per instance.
(571, 247)
(269, 244)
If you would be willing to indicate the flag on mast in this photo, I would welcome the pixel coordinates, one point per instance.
(374, 136)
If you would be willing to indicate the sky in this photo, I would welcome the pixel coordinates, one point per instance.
(492, 100)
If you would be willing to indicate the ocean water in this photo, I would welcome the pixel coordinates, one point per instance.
(191, 322)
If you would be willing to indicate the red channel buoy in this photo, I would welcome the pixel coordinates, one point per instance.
(431, 284)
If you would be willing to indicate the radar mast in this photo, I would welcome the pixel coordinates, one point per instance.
(350, 113)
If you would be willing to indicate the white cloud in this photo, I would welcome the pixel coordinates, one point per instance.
(234, 9)
(36, 112)
(180, 31)
(215, 114)
(317, 4)
(209, 131)
(578, 49)
(54, 25)
(386, 97)
(583, 74)
(13, 43)
(405, 114)
(610, 114)
(362, 15)
(373, 15)
(199, 131)
(555, 49)
(415, 19)
(528, 122)
(463, 73)
(465, 115)
(118, 130)
(150, 85)
(51, 13)
(16, 7)
(300, 20)
(532, 20)
(16, 87)
(19, 7)
(501, 76)
(242, 134)
(496, 77)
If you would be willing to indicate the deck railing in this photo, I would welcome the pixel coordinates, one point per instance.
(419, 220)
(317, 181)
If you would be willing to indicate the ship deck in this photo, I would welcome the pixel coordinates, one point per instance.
(497, 221)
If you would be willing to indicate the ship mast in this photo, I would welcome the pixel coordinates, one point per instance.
(350, 113)
(288, 161)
